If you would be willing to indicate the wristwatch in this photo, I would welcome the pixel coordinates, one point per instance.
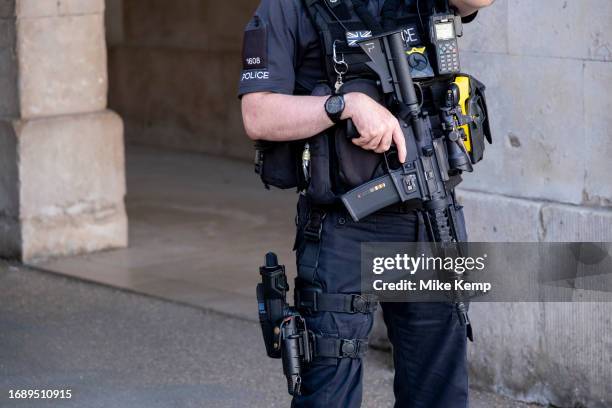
(334, 106)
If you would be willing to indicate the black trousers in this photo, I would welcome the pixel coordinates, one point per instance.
(429, 344)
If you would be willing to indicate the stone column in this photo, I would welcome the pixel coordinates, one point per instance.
(62, 177)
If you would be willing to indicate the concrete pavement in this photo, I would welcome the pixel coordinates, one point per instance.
(118, 349)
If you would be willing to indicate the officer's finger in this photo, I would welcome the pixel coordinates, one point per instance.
(400, 142)
(364, 138)
(374, 142)
(385, 143)
(361, 141)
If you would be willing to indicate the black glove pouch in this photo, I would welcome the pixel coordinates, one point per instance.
(356, 166)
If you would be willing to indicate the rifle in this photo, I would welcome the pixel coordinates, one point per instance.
(433, 164)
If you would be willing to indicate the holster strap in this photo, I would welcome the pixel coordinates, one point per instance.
(339, 348)
(313, 229)
(310, 301)
(314, 226)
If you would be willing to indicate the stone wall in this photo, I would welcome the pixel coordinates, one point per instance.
(61, 152)
(174, 73)
(548, 68)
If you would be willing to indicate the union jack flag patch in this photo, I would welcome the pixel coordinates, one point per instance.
(353, 37)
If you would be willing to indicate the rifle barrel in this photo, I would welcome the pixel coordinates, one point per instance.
(402, 70)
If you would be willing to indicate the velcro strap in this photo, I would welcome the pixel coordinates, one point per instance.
(315, 301)
(340, 348)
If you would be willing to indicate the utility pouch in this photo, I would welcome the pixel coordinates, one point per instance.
(277, 163)
(320, 186)
(356, 166)
(474, 104)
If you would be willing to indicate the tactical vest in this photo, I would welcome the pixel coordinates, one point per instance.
(342, 23)
(329, 164)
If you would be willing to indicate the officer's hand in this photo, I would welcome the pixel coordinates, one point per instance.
(377, 127)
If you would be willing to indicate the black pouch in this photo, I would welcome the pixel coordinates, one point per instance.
(276, 163)
(356, 166)
(320, 188)
(480, 129)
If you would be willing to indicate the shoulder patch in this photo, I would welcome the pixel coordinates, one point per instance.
(255, 45)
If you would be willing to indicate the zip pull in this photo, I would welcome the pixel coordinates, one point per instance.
(306, 162)
(338, 84)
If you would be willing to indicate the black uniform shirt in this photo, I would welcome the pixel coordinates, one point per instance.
(282, 48)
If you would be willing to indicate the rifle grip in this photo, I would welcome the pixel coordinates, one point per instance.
(351, 130)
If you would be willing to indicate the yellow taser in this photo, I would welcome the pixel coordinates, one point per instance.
(463, 82)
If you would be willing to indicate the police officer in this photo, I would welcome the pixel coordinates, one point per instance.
(282, 63)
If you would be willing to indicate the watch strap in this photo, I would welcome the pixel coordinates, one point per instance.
(334, 116)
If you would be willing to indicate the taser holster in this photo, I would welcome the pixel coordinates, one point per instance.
(473, 103)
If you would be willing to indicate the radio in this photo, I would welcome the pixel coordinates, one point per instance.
(443, 36)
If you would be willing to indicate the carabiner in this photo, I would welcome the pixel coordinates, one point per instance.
(340, 66)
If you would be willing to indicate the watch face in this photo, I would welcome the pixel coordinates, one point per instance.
(335, 105)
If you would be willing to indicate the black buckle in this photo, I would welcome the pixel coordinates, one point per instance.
(312, 233)
(306, 299)
(349, 348)
(314, 226)
(361, 304)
